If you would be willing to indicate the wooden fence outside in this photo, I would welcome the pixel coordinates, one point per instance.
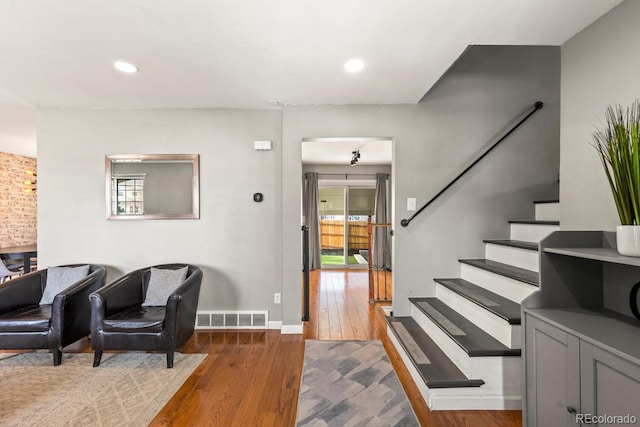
(332, 234)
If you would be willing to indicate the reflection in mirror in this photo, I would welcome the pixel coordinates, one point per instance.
(152, 186)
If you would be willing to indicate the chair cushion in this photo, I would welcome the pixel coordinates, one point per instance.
(60, 278)
(136, 319)
(33, 318)
(162, 283)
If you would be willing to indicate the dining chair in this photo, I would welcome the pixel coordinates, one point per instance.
(5, 273)
(16, 262)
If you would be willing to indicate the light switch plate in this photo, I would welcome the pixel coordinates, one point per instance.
(411, 204)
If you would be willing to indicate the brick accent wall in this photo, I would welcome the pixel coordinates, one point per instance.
(18, 210)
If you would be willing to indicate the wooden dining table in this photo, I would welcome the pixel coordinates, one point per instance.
(25, 253)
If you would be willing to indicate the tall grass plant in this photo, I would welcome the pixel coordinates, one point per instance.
(618, 145)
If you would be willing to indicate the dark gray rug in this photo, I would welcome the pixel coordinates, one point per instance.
(351, 383)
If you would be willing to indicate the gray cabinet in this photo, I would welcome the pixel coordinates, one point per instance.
(553, 372)
(581, 344)
(609, 385)
(570, 380)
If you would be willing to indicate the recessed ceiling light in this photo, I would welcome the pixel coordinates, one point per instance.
(354, 65)
(125, 67)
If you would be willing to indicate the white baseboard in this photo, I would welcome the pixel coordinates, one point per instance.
(472, 402)
(276, 324)
(291, 329)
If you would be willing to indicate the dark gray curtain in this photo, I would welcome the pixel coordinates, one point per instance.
(310, 206)
(381, 244)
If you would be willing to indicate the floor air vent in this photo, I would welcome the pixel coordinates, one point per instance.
(232, 320)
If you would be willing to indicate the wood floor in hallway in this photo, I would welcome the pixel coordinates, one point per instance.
(338, 306)
(252, 378)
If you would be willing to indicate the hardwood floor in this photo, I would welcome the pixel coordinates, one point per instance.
(252, 378)
(248, 379)
(338, 306)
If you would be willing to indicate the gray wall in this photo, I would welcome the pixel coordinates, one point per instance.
(434, 140)
(249, 250)
(599, 67)
(236, 240)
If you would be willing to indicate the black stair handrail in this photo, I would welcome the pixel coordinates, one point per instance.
(537, 106)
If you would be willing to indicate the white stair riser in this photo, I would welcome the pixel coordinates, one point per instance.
(440, 399)
(506, 287)
(547, 211)
(531, 232)
(497, 327)
(517, 257)
(500, 374)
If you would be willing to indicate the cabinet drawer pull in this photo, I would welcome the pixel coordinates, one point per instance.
(572, 410)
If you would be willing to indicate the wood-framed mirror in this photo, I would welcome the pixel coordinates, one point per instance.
(152, 186)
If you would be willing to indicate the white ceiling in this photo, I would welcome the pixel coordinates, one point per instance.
(242, 53)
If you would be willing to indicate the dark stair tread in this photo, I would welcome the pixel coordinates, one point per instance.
(490, 301)
(473, 340)
(440, 371)
(533, 221)
(517, 273)
(514, 243)
(547, 201)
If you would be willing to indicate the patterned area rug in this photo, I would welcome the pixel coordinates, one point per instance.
(127, 389)
(351, 383)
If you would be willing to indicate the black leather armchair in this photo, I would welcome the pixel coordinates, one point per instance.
(120, 322)
(24, 324)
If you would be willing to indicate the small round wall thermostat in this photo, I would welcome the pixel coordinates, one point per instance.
(258, 197)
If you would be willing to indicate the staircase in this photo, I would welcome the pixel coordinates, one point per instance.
(462, 346)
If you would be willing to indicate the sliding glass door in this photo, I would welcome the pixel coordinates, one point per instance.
(360, 205)
(343, 212)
